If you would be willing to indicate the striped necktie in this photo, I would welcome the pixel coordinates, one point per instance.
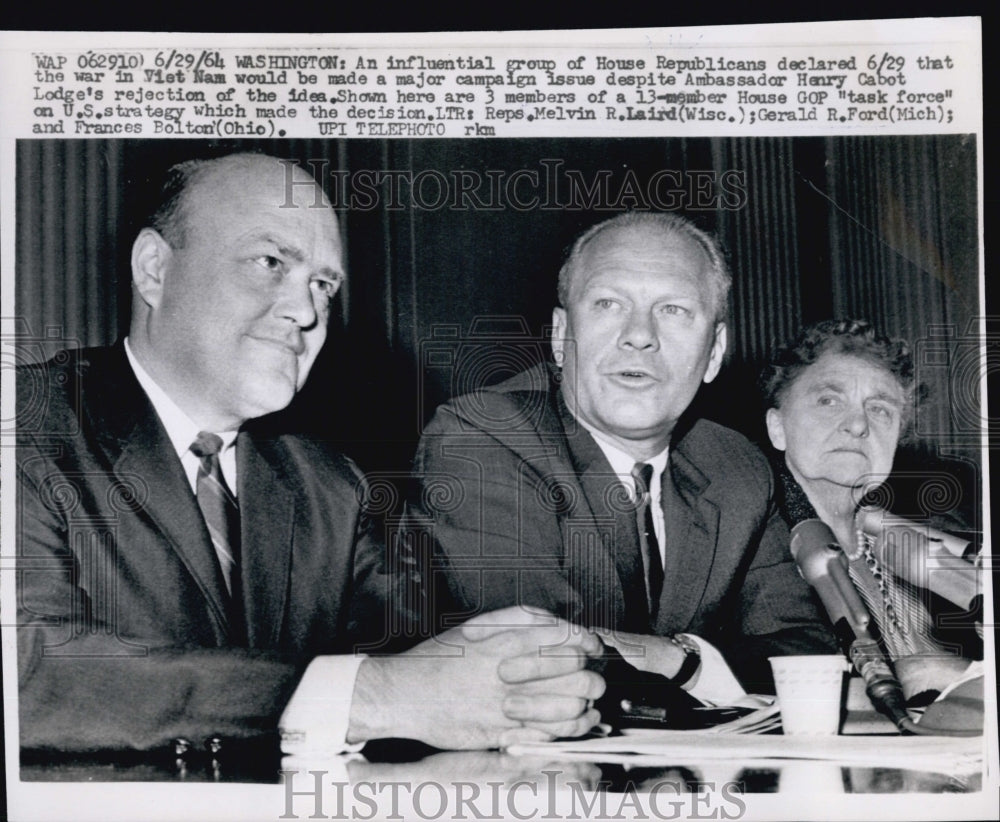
(218, 507)
(642, 474)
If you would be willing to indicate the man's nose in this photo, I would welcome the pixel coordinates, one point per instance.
(639, 332)
(295, 301)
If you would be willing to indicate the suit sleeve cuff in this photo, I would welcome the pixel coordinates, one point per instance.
(714, 682)
(315, 721)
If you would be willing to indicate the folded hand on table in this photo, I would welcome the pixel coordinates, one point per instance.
(514, 675)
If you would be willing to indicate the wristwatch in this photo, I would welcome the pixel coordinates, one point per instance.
(692, 659)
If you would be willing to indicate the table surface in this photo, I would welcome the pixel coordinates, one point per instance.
(261, 762)
(391, 760)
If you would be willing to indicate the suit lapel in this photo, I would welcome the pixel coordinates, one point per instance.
(137, 445)
(609, 502)
(691, 530)
(267, 522)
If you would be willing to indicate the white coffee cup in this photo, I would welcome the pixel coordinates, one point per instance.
(810, 691)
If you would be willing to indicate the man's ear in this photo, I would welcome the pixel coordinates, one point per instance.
(150, 260)
(718, 352)
(558, 334)
(775, 428)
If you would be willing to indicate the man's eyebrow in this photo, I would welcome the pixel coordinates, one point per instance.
(332, 273)
(290, 251)
(611, 285)
(297, 255)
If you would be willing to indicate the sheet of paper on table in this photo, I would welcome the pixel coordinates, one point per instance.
(953, 754)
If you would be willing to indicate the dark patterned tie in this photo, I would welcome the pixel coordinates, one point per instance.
(219, 508)
(642, 473)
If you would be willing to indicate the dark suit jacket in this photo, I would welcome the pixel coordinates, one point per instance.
(123, 636)
(526, 509)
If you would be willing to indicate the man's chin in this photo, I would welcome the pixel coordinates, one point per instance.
(636, 427)
(271, 396)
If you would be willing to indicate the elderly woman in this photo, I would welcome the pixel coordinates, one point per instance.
(839, 397)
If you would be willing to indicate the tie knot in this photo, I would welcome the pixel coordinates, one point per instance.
(206, 444)
(642, 474)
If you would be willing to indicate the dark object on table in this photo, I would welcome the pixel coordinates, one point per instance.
(641, 699)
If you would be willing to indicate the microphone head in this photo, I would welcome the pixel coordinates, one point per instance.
(879, 524)
(824, 566)
(921, 555)
(813, 542)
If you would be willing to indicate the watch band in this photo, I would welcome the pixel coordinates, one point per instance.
(692, 659)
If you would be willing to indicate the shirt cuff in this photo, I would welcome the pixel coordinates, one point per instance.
(315, 721)
(715, 682)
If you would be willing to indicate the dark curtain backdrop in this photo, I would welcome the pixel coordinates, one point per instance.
(441, 299)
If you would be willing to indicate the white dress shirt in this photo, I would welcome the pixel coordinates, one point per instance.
(182, 431)
(714, 682)
(622, 464)
(316, 719)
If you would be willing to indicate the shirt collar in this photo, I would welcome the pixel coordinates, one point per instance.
(621, 462)
(179, 426)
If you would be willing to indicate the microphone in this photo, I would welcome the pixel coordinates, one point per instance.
(823, 565)
(924, 556)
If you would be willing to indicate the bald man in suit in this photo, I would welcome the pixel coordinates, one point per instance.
(185, 575)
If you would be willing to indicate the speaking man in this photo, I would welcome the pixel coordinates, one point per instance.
(183, 575)
(589, 490)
